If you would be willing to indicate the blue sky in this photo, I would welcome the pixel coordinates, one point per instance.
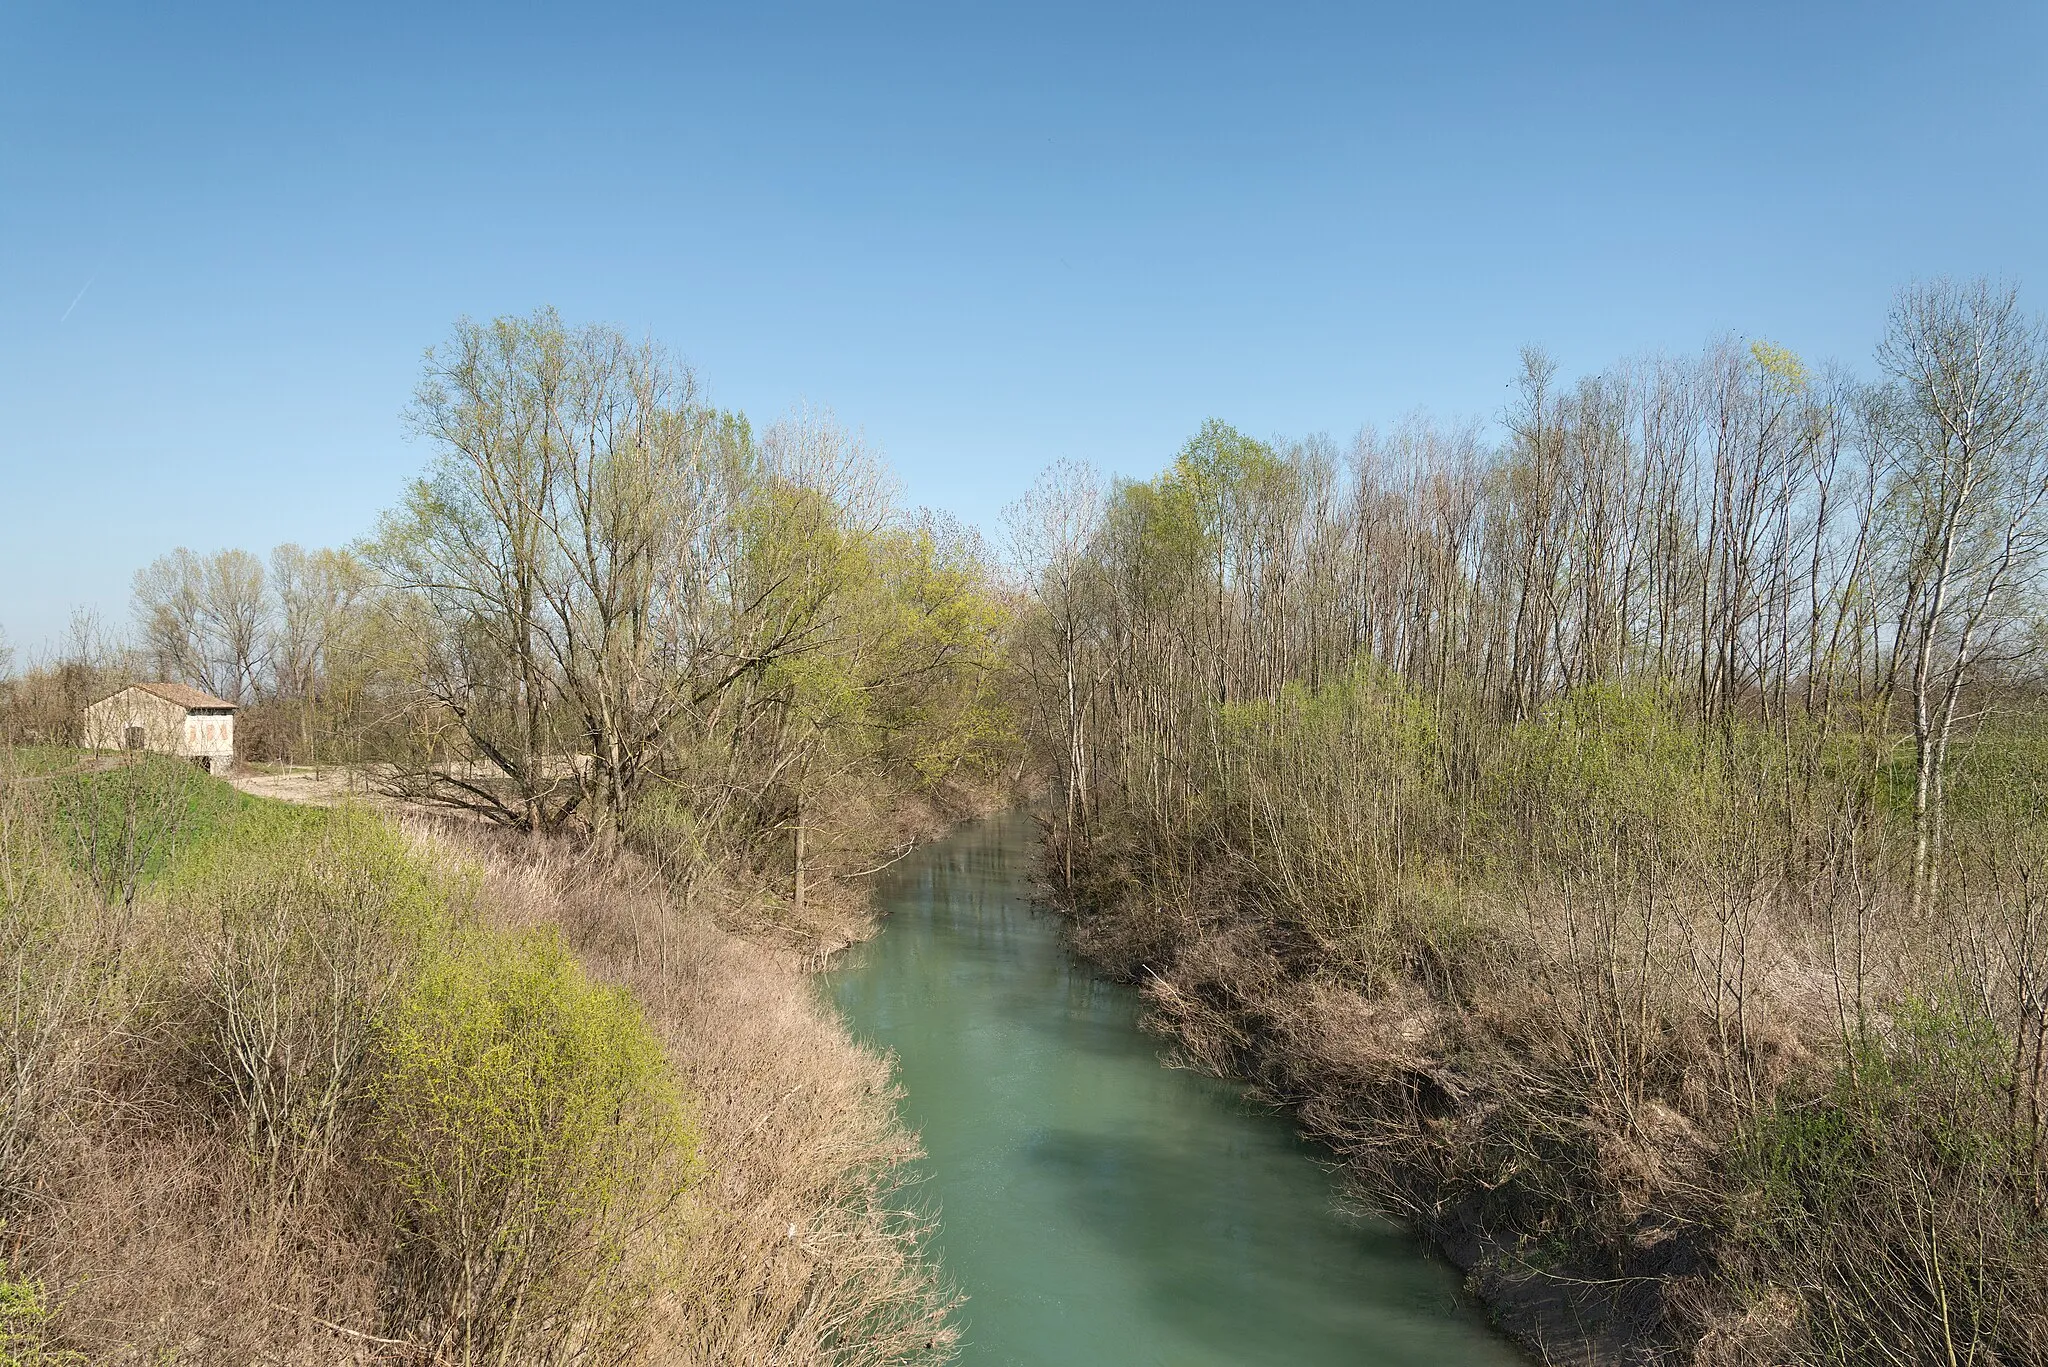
(987, 236)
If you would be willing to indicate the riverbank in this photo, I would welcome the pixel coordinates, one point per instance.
(1704, 1115)
(1413, 1106)
(804, 1244)
(1648, 1021)
(250, 1035)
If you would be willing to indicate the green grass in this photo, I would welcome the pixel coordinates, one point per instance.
(1999, 775)
(126, 825)
(38, 761)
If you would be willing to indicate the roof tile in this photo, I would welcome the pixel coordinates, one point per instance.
(191, 699)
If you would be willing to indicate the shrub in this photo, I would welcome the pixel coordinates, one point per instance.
(1898, 1200)
(448, 1126)
(511, 1129)
(54, 989)
(1608, 761)
(24, 1322)
(533, 1137)
(313, 921)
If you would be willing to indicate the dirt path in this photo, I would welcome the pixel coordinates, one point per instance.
(313, 787)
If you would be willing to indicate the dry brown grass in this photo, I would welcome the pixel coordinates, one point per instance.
(804, 1245)
(134, 1201)
(166, 1247)
(1636, 1119)
(1467, 1104)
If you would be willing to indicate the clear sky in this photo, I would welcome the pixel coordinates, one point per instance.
(987, 236)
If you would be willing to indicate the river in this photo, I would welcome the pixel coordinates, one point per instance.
(1099, 1209)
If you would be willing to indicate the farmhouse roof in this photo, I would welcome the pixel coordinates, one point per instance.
(191, 699)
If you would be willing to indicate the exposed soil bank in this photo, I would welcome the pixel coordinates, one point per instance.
(1371, 1079)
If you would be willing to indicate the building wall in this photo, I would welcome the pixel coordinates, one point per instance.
(211, 735)
(162, 722)
(167, 728)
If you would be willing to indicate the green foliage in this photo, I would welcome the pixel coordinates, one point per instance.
(1612, 754)
(1159, 523)
(319, 860)
(670, 830)
(24, 1324)
(1933, 1090)
(1600, 743)
(1365, 743)
(531, 1130)
(1365, 708)
(35, 873)
(313, 920)
(312, 980)
(514, 1126)
(936, 643)
(880, 644)
(124, 825)
(1223, 471)
(1900, 1198)
(1782, 370)
(1172, 531)
(1999, 782)
(1371, 747)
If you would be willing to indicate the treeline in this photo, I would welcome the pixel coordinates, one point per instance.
(607, 606)
(1622, 840)
(274, 636)
(517, 1061)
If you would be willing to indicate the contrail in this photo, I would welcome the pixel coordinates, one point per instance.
(81, 294)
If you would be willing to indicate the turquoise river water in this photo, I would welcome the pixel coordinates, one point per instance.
(1099, 1209)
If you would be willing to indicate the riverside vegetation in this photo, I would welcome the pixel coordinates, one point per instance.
(520, 1062)
(1624, 846)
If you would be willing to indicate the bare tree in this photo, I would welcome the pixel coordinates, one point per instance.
(1969, 476)
(555, 553)
(203, 620)
(236, 613)
(170, 617)
(1050, 530)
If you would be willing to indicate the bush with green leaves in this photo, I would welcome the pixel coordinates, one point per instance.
(533, 1139)
(1906, 1200)
(499, 1136)
(511, 1127)
(24, 1325)
(312, 922)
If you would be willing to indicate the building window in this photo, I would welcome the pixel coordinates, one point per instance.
(134, 738)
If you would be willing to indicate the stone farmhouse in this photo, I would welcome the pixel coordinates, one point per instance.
(168, 719)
